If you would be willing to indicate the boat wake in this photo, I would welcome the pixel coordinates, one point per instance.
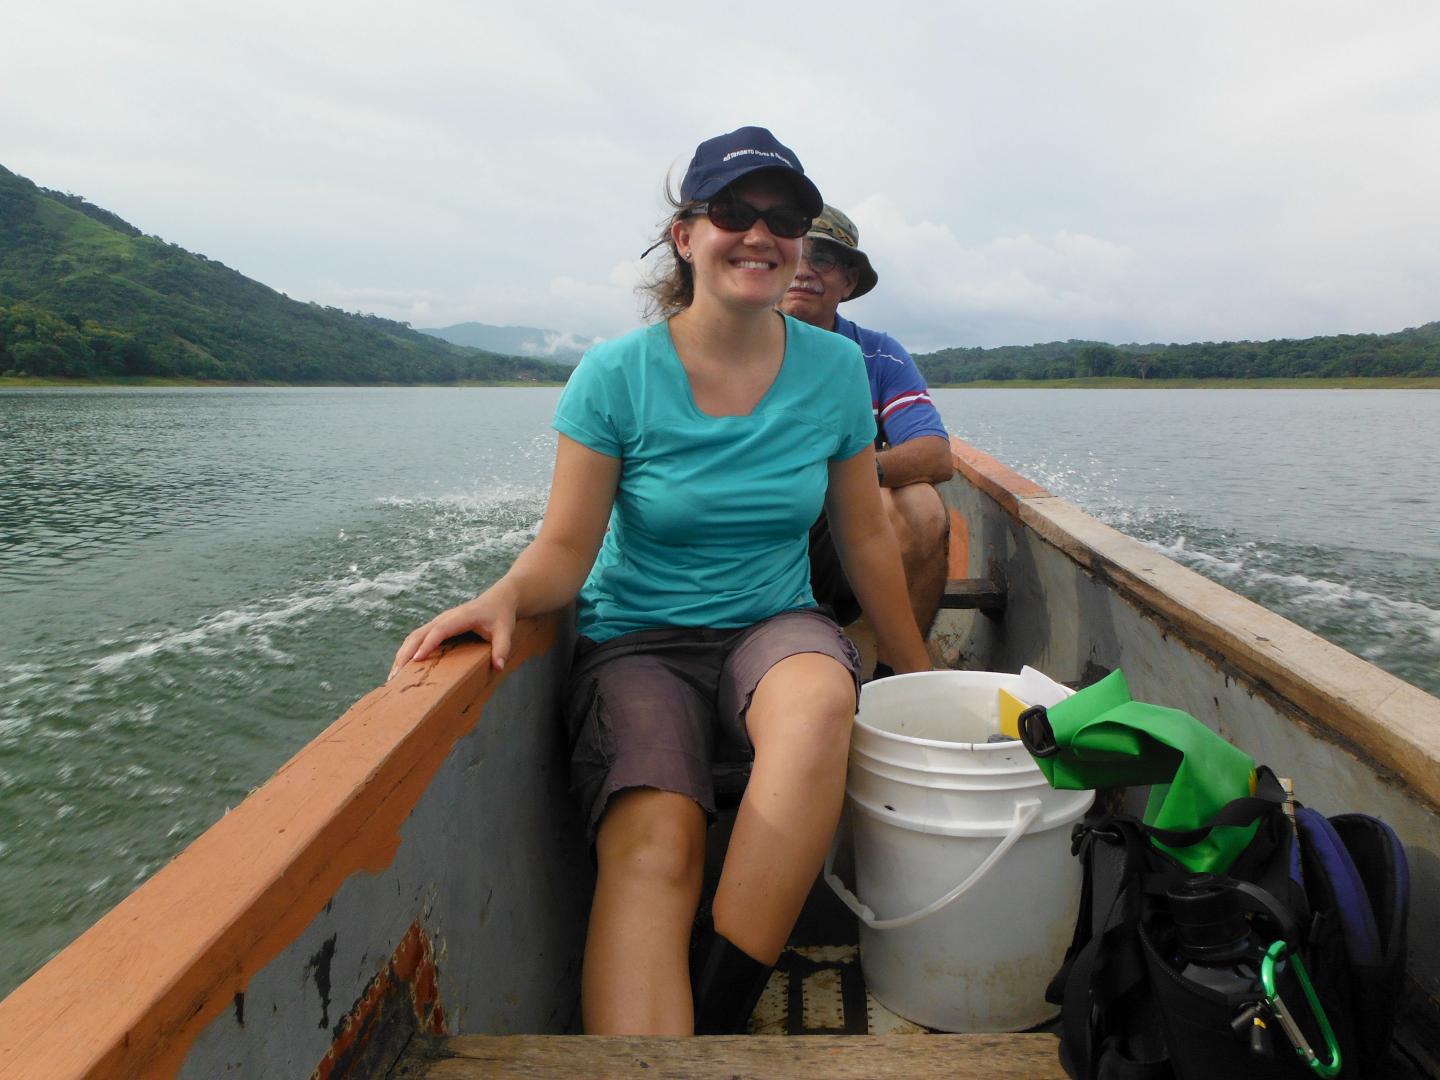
(1388, 612)
(1316, 593)
(1380, 605)
(117, 748)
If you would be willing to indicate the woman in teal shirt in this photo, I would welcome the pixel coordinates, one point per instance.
(693, 455)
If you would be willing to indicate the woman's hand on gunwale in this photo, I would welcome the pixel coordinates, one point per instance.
(490, 615)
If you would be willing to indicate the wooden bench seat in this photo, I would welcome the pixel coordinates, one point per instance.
(955, 1057)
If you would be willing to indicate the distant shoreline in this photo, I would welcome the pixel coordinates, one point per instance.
(157, 383)
(1379, 382)
(1389, 382)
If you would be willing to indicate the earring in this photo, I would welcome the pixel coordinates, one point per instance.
(685, 255)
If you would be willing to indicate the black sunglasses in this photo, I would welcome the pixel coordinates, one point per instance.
(824, 257)
(736, 215)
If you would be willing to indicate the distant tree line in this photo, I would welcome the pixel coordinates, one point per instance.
(1412, 353)
(84, 294)
(37, 341)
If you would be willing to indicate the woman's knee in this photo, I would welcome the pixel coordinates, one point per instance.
(658, 836)
(807, 702)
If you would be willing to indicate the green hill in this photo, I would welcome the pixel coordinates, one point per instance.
(1413, 353)
(84, 294)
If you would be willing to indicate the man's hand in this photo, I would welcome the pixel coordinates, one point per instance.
(922, 460)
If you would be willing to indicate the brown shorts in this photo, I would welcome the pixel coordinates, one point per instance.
(657, 707)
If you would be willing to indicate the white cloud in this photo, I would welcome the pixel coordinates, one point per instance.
(554, 343)
(927, 274)
(1116, 169)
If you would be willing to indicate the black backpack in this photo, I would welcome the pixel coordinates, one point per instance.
(1299, 946)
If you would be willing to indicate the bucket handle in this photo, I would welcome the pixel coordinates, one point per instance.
(1027, 812)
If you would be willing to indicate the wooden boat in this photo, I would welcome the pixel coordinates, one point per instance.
(407, 895)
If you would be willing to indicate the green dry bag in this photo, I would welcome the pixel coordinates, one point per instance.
(1100, 738)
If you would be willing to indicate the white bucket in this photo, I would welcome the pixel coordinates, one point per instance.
(962, 856)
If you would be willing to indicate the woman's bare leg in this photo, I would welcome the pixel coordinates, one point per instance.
(799, 723)
(651, 853)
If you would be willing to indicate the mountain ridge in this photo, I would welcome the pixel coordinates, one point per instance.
(86, 294)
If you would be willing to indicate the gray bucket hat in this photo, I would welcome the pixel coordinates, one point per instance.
(835, 228)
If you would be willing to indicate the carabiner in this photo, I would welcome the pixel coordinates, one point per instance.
(1273, 956)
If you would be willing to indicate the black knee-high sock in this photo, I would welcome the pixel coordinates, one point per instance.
(726, 982)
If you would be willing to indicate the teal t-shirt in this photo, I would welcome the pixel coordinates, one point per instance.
(712, 513)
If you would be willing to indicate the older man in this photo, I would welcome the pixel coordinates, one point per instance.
(912, 447)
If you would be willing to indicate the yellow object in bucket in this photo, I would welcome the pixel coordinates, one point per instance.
(1010, 709)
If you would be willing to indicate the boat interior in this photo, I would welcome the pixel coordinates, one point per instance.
(815, 1016)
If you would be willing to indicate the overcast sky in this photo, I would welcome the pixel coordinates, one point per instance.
(1020, 172)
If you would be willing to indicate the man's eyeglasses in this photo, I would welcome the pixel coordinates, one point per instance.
(736, 215)
(824, 258)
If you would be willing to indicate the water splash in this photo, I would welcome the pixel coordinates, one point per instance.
(117, 750)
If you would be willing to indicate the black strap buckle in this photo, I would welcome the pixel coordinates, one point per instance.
(1036, 733)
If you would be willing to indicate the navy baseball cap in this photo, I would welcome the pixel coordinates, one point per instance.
(720, 161)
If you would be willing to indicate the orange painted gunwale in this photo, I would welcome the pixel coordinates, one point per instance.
(130, 995)
(1002, 483)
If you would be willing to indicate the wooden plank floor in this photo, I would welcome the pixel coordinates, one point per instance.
(732, 1057)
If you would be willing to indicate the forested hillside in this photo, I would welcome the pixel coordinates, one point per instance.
(1413, 353)
(84, 294)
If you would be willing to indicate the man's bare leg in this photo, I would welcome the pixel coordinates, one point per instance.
(917, 514)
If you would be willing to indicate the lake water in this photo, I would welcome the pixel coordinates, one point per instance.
(193, 583)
